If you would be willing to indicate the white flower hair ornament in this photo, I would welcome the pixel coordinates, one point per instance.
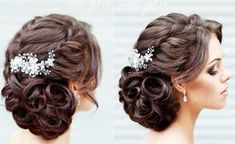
(28, 63)
(138, 61)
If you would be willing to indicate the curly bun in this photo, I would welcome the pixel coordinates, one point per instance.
(148, 99)
(43, 107)
(180, 50)
(44, 104)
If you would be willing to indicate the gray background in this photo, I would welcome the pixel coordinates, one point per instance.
(117, 24)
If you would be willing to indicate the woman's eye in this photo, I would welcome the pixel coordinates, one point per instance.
(212, 71)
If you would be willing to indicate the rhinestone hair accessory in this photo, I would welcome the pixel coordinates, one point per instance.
(138, 61)
(28, 63)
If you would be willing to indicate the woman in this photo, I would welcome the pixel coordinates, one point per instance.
(52, 68)
(176, 71)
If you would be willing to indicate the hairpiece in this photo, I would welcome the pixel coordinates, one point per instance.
(138, 61)
(28, 63)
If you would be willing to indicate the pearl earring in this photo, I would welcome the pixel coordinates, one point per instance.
(76, 95)
(185, 98)
(78, 99)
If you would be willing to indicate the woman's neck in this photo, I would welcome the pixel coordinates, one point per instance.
(25, 136)
(180, 131)
(186, 120)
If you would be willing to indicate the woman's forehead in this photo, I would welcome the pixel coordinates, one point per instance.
(214, 49)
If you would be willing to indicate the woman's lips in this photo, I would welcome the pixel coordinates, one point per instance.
(225, 92)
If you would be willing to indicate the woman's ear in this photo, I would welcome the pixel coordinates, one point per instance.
(73, 86)
(179, 86)
(84, 103)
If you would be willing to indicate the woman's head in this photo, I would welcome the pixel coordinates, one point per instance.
(182, 49)
(45, 103)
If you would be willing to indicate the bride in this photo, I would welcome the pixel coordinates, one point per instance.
(176, 70)
(51, 70)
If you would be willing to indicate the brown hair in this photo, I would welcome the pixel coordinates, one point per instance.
(44, 104)
(180, 50)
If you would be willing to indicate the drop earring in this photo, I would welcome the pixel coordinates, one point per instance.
(78, 99)
(185, 98)
(77, 96)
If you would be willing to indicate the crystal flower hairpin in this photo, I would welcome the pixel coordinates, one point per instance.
(27, 63)
(138, 61)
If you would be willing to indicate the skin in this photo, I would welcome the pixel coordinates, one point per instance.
(85, 103)
(208, 90)
(25, 136)
(205, 90)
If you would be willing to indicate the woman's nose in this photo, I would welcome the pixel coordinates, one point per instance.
(226, 76)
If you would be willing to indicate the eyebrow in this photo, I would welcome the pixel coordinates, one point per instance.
(216, 59)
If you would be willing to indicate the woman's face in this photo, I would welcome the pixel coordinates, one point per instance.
(210, 88)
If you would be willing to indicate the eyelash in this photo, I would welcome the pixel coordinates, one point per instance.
(212, 71)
